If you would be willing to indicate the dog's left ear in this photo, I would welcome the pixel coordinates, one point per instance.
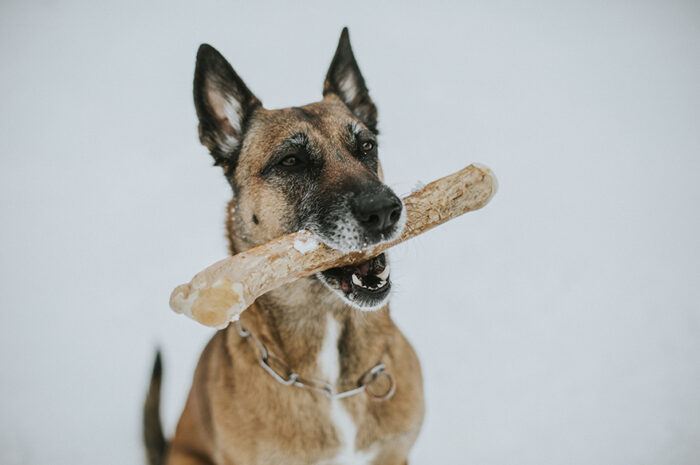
(224, 103)
(345, 80)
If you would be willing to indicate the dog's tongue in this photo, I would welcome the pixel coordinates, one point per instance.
(360, 270)
(363, 269)
(370, 274)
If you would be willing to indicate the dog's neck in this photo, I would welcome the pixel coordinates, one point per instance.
(294, 321)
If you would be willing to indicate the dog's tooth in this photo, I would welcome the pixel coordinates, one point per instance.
(384, 274)
(382, 283)
(356, 280)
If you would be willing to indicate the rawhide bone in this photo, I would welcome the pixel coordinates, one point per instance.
(218, 294)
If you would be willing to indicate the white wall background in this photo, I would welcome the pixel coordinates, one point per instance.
(560, 325)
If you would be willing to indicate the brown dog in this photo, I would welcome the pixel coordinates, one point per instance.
(310, 375)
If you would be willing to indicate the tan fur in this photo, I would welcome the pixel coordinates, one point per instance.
(236, 413)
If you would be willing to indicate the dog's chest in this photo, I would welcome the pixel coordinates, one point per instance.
(340, 419)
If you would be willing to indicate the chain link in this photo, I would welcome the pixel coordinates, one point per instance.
(290, 378)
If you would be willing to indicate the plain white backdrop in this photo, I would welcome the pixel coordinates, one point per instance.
(559, 325)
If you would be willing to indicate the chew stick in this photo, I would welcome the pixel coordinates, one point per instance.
(219, 293)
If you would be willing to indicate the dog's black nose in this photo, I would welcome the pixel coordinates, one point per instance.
(377, 211)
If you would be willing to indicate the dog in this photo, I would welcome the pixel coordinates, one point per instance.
(314, 372)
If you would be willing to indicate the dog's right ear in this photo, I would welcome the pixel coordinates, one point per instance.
(223, 103)
(345, 80)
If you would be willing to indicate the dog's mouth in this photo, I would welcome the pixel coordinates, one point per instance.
(365, 286)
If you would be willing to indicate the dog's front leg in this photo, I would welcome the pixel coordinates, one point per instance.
(176, 457)
(191, 445)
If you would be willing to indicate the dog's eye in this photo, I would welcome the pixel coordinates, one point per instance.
(290, 160)
(367, 146)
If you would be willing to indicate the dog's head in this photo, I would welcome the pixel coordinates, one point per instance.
(312, 167)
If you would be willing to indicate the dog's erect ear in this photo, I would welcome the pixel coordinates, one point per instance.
(223, 103)
(345, 80)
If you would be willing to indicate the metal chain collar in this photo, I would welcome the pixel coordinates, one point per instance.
(290, 378)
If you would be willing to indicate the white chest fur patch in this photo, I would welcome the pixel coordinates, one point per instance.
(345, 428)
